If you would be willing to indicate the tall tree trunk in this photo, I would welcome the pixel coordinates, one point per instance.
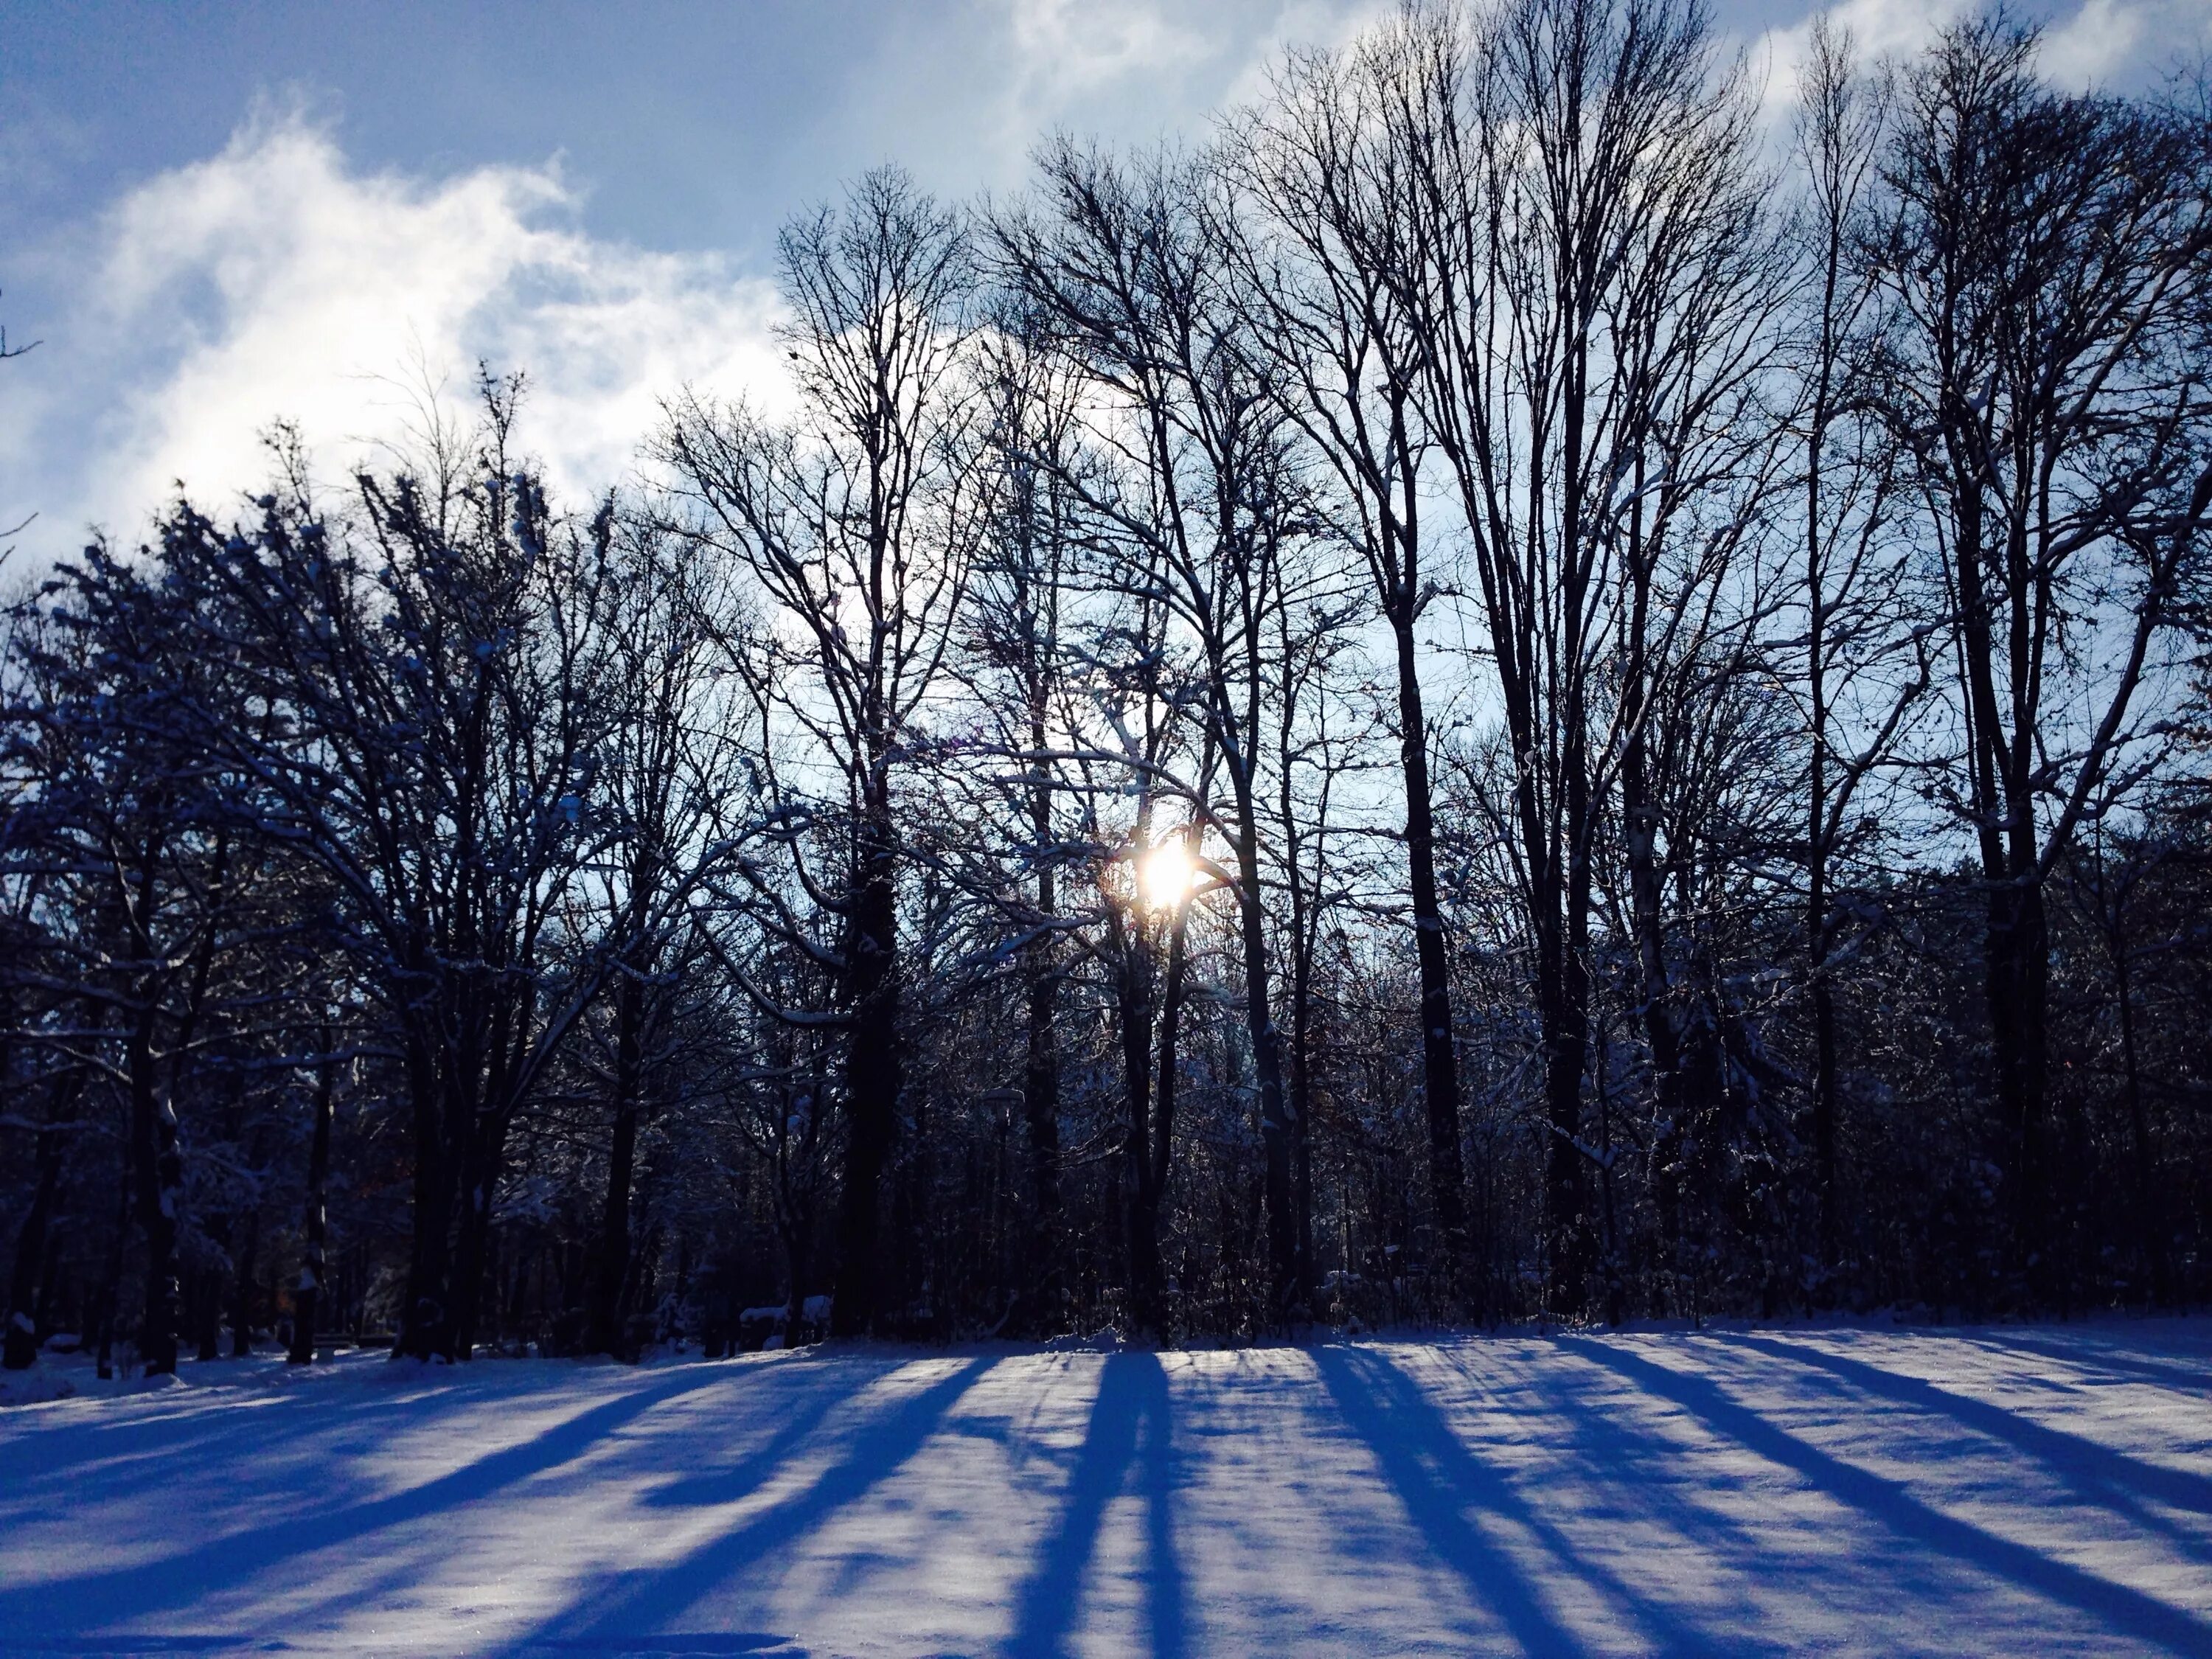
(483, 1162)
(1818, 926)
(1301, 1083)
(2150, 1206)
(481, 1111)
(1825, 1115)
(1046, 1292)
(160, 1184)
(204, 1297)
(602, 1321)
(21, 1347)
(244, 1289)
(1287, 1299)
(307, 1297)
(872, 1082)
(1566, 1059)
(1132, 989)
(110, 1278)
(1162, 1148)
(426, 1318)
(1439, 1058)
(1675, 1130)
(1828, 153)
(2017, 988)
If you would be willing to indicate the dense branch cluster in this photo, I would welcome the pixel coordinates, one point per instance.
(1497, 694)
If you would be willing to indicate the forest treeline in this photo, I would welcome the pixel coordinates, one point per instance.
(1509, 689)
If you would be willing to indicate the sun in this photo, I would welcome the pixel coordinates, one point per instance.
(1167, 874)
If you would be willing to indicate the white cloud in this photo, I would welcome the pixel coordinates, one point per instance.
(1877, 29)
(1325, 25)
(1144, 68)
(1069, 47)
(273, 281)
(2098, 44)
(2107, 38)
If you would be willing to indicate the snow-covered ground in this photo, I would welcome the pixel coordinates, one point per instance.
(2030, 1491)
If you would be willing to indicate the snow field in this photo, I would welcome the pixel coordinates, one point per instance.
(2030, 1491)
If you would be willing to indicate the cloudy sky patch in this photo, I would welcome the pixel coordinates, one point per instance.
(223, 215)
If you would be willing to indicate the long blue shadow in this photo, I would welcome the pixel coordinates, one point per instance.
(143, 1448)
(1437, 1480)
(1131, 1432)
(816, 1390)
(2127, 1612)
(2161, 1373)
(1642, 1470)
(671, 1643)
(758, 1466)
(620, 1617)
(112, 1647)
(2097, 1473)
(117, 1594)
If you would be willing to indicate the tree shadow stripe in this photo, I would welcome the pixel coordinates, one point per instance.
(2126, 1610)
(1130, 1428)
(1437, 1477)
(875, 1452)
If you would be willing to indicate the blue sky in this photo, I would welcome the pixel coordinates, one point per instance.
(212, 214)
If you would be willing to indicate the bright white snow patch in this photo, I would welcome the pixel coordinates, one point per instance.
(1837, 1490)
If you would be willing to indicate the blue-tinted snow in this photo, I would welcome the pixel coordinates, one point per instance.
(2028, 1491)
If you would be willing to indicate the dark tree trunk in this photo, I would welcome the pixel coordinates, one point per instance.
(203, 1300)
(426, 1322)
(160, 1184)
(244, 1289)
(2149, 1203)
(1301, 1087)
(1561, 1026)
(1819, 925)
(1439, 1060)
(1675, 1129)
(484, 1162)
(111, 1279)
(307, 1298)
(1287, 1298)
(872, 1086)
(479, 1121)
(603, 1323)
(2017, 979)
(1047, 1295)
(21, 1347)
(1825, 1115)
(1133, 1000)
(1154, 1175)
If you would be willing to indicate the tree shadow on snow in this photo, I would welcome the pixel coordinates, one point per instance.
(2124, 1610)
(120, 1594)
(2098, 1475)
(1438, 1480)
(671, 1643)
(2090, 1352)
(1131, 1436)
(635, 1601)
(755, 1467)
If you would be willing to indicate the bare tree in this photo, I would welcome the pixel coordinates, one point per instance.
(1577, 168)
(435, 708)
(1330, 281)
(1129, 265)
(2048, 258)
(1865, 665)
(855, 524)
(1022, 668)
(673, 805)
